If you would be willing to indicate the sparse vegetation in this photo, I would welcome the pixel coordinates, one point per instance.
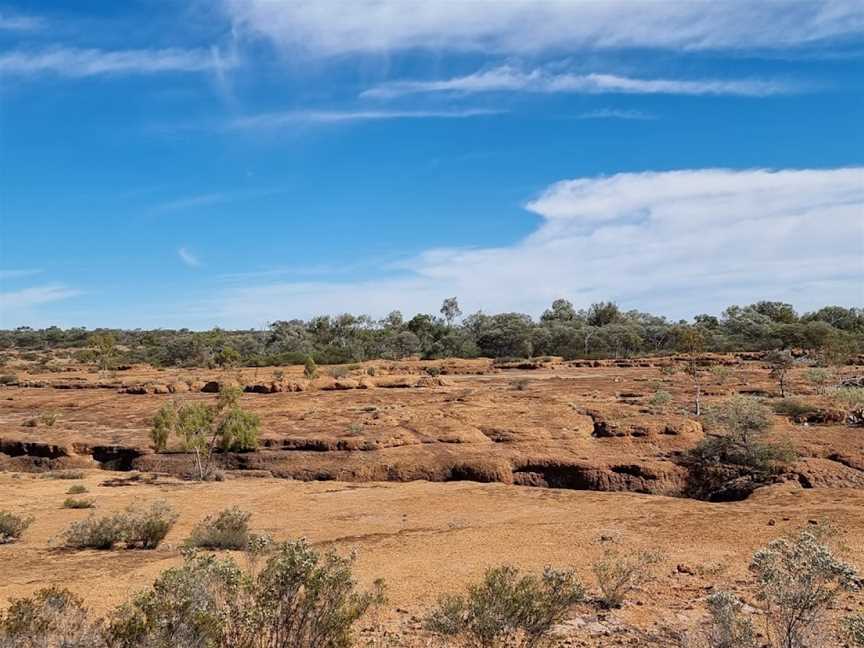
(299, 599)
(8, 379)
(601, 330)
(660, 399)
(227, 530)
(821, 378)
(506, 609)
(732, 460)
(76, 489)
(51, 618)
(793, 408)
(12, 526)
(780, 363)
(137, 528)
(48, 418)
(727, 626)
(65, 474)
(310, 369)
(618, 575)
(78, 503)
(202, 428)
(799, 577)
(854, 629)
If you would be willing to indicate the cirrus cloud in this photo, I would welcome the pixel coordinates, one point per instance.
(333, 27)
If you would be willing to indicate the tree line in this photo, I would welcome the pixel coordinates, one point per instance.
(602, 330)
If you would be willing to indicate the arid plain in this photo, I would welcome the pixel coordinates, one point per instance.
(432, 472)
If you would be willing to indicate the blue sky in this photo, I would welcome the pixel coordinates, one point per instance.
(169, 164)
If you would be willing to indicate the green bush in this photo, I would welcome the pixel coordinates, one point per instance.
(78, 503)
(65, 474)
(310, 369)
(239, 430)
(506, 609)
(299, 599)
(338, 372)
(163, 424)
(793, 408)
(94, 533)
(799, 579)
(728, 627)
(9, 379)
(51, 618)
(733, 460)
(227, 530)
(136, 528)
(618, 575)
(145, 528)
(854, 628)
(77, 489)
(12, 526)
(660, 399)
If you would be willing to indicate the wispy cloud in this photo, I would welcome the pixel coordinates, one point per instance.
(27, 297)
(19, 22)
(507, 78)
(17, 274)
(188, 258)
(192, 202)
(611, 113)
(333, 27)
(273, 120)
(78, 63)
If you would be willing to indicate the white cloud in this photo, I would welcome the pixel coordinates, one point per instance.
(19, 22)
(78, 63)
(17, 274)
(507, 78)
(18, 300)
(188, 258)
(610, 113)
(677, 242)
(275, 120)
(332, 27)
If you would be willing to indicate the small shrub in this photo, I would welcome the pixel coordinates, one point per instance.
(78, 503)
(618, 575)
(8, 379)
(48, 418)
(506, 609)
(300, 598)
(238, 430)
(94, 533)
(660, 399)
(849, 398)
(163, 423)
(310, 369)
(780, 363)
(278, 375)
(227, 530)
(854, 629)
(793, 408)
(433, 371)
(145, 528)
(31, 422)
(51, 618)
(76, 489)
(721, 373)
(521, 384)
(65, 474)
(371, 371)
(728, 627)
(338, 372)
(799, 578)
(12, 526)
(668, 370)
(137, 528)
(820, 378)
